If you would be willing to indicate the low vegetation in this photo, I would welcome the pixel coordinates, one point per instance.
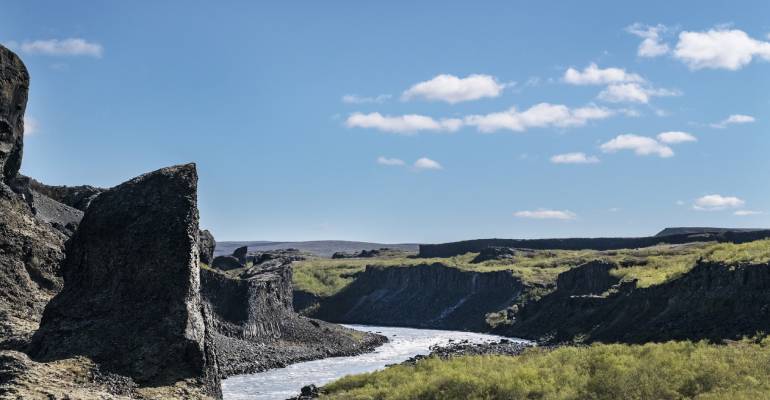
(648, 266)
(673, 370)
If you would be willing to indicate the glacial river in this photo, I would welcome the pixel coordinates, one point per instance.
(282, 383)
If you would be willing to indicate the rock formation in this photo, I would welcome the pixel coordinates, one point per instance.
(427, 296)
(207, 246)
(240, 254)
(256, 328)
(14, 81)
(226, 263)
(494, 253)
(131, 298)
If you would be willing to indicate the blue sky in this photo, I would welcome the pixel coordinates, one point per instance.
(402, 122)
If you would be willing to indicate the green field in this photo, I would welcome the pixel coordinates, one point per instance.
(673, 370)
(649, 266)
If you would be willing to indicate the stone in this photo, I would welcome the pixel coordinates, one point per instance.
(131, 298)
(207, 246)
(226, 263)
(14, 87)
(240, 254)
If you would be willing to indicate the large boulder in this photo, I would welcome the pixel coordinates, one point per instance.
(207, 246)
(14, 82)
(31, 252)
(226, 263)
(131, 297)
(240, 254)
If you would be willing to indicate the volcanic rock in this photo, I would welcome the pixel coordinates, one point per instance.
(131, 298)
(240, 254)
(14, 82)
(226, 263)
(207, 245)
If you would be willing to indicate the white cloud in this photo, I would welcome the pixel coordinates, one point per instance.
(674, 137)
(538, 116)
(730, 49)
(574, 158)
(403, 124)
(633, 93)
(542, 213)
(744, 213)
(356, 99)
(427, 163)
(641, 145)
(390, 161)
(733, 119)
(31, 126)
(714, 202)
(63, 47)
(452, 89)
(652, 45)
(593, 75)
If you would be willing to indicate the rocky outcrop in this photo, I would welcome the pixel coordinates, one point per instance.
(256, 328)
(362, 254)
(226, 263)
(240, 254)
(14, 82)
(77, 197)
(494, 253)
(31, 252)
(131, 299)
(61, 216)
(592, 278)
(700, 230)
(712, 301)
(477, 245)
(426, 296)
(207, 245)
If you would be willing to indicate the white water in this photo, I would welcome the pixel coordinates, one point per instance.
(282, 383)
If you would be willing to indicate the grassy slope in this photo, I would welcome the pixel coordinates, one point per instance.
(650, 266)
(674, 370)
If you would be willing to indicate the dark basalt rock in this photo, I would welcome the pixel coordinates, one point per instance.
(712, 301)
(14, 82)
(362, 254)
(494, 253)
(31, 252)
(226, 263)
(61, 216)
(591, 278)
(78, 197)
(426, 296)
(255, 327)
(207, 246)
(131, 298)
(240, 254)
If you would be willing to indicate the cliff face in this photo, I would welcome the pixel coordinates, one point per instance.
(255, 327)
(131, 298)
(476, 246)
(14, 82)
(428, 296)
(712, 301)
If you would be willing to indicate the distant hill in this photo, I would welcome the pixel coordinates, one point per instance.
(322, 248)
(698, 230)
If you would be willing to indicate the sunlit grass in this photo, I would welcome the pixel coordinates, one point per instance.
(674, 370)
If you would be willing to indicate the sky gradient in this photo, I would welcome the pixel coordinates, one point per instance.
(401, 122)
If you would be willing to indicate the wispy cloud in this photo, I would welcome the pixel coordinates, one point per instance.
(718, 48)
(356, 99)
(63, 47)
(543, 213)
(31, 126)
(652, 45)
(733, 120)
(714, 202)
(451, 89)
(675, 137)
(593, 75)
(427, 163)
(634, 93)
(574, 158)
(746, 213)
(640, 145)
(541, 115)
(394, 162)
(402, 124)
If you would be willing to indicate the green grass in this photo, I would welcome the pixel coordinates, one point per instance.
(673, 370)
(648, 266)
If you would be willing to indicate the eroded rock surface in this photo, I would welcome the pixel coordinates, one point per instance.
(256, 328)
(207, 246)
(131, 298)
(14, 87)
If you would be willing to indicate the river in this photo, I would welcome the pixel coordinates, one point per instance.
(282, 383)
